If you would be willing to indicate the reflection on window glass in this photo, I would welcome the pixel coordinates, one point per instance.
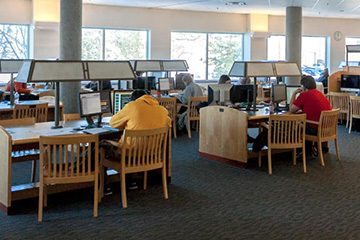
(14, 41)
(276, 48)
(92, 44)
(192, 48)
(119, 44)
(313, 55)
(353, 56)
(209, 55)
(224, 49)
(125, 44)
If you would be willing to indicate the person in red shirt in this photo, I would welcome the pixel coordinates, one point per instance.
(18, 87)
(312, 102)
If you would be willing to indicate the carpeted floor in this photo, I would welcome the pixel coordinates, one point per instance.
(211, 200)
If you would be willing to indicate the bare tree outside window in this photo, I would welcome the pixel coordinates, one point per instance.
(14, 41)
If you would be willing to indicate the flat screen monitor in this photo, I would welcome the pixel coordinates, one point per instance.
(278, 93)
(219, 93)
(146, 83)
(350, 82)
(290, 89)
(120, 99)
(180, 85)
(164, 84)
(94, 103)
(242, 93)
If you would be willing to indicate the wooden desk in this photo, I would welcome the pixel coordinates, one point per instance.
(6, 111)
(24, 137)
(224, 131)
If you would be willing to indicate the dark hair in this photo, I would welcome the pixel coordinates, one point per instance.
(223, 79)
(136, 94)
(308, 82)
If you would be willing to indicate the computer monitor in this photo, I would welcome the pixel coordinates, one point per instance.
(146, 83)
(290, 89)
(120, 99)
(350, 83)
(219, 94)
(164, 84)
(242, 94)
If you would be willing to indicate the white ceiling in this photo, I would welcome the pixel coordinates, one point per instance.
(311, 8)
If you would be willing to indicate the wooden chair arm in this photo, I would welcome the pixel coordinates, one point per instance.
(312, 122)
(264, 124)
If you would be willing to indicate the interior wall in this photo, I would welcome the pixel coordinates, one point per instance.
(162, 22)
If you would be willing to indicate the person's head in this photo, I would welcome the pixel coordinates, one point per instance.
(136, 94)
(224, 79)
(187, 79)
(326, 71)
(308, 83)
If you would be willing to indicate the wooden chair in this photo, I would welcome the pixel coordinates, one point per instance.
(141, 151)
(286, 132)
(327, 131)
(38, 111)
(72, 117)
(341, 101)
(56, 167)
(170, 105)
(193, 113)
(354, 109)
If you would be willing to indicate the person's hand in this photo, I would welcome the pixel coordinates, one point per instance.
(299, 90)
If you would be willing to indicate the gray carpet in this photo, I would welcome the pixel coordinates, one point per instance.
(211, 200)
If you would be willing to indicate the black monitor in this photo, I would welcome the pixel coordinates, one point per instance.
(219, 94)
(242, 94)
(121, 98)
(94, 104)
(350, 83)
(146, 83)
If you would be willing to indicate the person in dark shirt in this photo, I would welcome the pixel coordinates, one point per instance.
(324, 79)
(106, 85)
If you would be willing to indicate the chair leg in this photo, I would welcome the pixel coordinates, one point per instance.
(197, 125)
(294, 156)
(337, 149)
(269, 161)
(33, 171)
(145, 180)
(123, 190)
(41, 202)
(347, 119)
(320, 153)
(164, 182)
(45, 192)
(189, 129)
(350, 125)
(174, 129)
(96, 194)
(304, 158)
(260, 158)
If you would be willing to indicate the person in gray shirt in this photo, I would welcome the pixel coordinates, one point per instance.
(191, 90)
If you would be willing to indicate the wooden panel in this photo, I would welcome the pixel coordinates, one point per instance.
(223, 133)
(5, 167)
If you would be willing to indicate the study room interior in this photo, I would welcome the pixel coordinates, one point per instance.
(259, 105)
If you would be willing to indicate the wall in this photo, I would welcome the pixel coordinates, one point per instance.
(162, 22)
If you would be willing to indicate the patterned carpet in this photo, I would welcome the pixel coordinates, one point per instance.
(211, 200)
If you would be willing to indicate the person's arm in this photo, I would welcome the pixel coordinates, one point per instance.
(120, 119)
(21, 88)
(294, 108)
(184, 97)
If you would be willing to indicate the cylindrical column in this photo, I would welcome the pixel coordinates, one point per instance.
(293, 39)
(70, 49)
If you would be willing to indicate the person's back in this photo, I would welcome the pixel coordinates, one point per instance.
(191, 90)
(18, 87)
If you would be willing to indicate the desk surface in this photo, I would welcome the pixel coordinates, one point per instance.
(261, 113)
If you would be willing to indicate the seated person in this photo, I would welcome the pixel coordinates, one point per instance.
(18, 87)
(224, 79)
(324, 79)
(93, 85)
(244, 81)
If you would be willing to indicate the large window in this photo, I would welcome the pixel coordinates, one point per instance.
(313, 53)
(353, 56)
(209, 55)
(114, 44)
(14, 41)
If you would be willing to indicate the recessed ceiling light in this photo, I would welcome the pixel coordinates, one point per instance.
(235, 3)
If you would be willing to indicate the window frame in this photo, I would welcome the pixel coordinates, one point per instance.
(207, 48)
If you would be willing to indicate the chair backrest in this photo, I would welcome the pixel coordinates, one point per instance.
(67, 157)
(72, 116)
(170, 105)
(38, 111)
(355, 106)
(192, 112)
(340, 100)
(144, 149)
(286, 131)
(17, 122)
(327, 129)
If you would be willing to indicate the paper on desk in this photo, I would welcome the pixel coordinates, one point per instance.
(55, 132)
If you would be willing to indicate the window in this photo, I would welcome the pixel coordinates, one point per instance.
(14, 41)
(353, 56)
(313, 56)
(209, 55)
(114, 44)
